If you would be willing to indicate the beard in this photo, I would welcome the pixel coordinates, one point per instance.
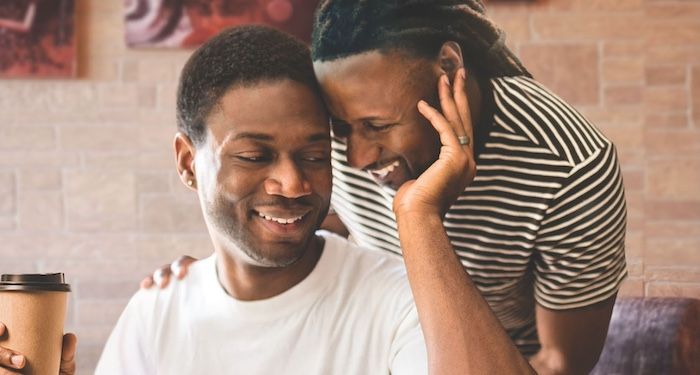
(239, 234)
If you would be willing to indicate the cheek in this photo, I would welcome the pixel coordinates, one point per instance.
(321, 181)
(234, 187)
(418, 142)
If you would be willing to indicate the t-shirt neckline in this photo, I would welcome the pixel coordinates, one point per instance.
(301, 295)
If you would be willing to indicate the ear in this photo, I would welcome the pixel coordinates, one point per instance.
(184, 157)
(450, 58)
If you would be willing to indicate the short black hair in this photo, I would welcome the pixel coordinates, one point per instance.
(419, 27)
(239, 56)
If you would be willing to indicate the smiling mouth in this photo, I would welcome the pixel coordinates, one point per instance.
(281, 220)
(383, 172)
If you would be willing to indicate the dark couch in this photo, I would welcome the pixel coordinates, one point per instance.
(652, 336)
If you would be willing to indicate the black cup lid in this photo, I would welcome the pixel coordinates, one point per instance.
(35, 282)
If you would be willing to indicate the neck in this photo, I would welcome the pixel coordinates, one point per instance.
(481, 106)
(475, 99)
(248, 282)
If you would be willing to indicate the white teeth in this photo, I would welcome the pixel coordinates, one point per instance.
(280, 220)
(381, 173)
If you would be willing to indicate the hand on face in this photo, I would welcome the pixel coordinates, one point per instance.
(436, 189)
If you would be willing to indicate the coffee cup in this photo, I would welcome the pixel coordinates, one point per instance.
(33, 309)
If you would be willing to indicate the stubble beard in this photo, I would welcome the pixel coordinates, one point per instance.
(241, 239)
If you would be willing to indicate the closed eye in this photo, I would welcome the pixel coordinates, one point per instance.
(315, 159)
(377, 127)
(253, 158)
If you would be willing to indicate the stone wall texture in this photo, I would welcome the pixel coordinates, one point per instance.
(87, 184)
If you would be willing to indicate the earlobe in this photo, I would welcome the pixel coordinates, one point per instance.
(184, 158)
(450, 58)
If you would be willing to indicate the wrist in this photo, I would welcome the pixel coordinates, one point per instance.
(405, 208)
(416, 214)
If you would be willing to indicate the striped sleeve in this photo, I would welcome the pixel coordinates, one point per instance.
(580, 247)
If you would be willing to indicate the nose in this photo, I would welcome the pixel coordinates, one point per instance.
(361, 152)
(287, 179)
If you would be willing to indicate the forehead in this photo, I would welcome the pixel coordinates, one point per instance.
(276, 108)
(374, 82)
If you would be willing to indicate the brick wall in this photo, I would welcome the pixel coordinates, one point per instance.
(633, 68)
(87, 184)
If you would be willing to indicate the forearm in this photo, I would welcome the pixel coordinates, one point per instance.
(571, 340)
(555, 362)
(461, 332)
(547, 362)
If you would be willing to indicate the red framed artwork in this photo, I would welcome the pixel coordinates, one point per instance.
(189, 23)
(37, 39)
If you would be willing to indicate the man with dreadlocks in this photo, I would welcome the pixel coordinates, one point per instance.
(539, 229)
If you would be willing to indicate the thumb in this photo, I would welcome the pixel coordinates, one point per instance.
(70, 343)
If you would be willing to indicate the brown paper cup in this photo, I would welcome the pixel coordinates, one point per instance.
(34, 315)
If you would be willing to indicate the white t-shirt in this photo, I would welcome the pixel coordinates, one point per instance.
(353, 314)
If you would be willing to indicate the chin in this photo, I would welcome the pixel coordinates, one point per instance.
(277, 253)
(272, 261)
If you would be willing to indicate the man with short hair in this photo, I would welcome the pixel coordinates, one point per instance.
(275, 297)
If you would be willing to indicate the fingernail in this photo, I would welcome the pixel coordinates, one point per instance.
(175, 268)
(463, 73)
(447, 80)
(17, 360)
(158, 278)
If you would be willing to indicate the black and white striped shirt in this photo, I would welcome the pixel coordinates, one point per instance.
(544, 219)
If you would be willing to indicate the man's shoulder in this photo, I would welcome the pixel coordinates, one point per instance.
(155, 298)
(379, 272)
(534, 118)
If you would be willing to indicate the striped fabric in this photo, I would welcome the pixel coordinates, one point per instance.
(544, 220)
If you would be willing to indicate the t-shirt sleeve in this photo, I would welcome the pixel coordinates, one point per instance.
(128, 349)
(580, 249)
(409, 355)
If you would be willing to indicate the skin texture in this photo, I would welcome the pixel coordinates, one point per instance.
(12, 362)
(384, 88)
(564, 352)
(373, 106)
(571, 340)
(273, 162)
(475, 342)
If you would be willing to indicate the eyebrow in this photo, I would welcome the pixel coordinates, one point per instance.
(373, 118)
(264, 137)
(366, 118)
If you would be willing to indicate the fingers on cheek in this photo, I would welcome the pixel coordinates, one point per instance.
(426, 110)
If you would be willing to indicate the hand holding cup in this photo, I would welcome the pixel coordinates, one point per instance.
(32, 313)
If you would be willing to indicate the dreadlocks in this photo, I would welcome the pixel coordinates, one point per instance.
(419, 27)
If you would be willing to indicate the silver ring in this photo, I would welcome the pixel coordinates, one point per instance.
(463, 140)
